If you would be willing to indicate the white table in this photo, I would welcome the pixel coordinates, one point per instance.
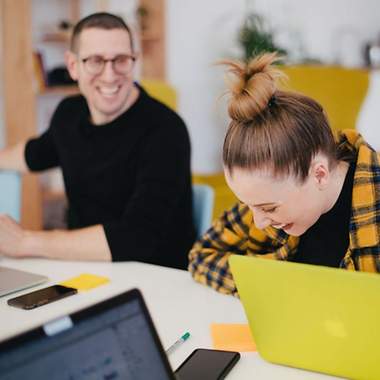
(177, 304)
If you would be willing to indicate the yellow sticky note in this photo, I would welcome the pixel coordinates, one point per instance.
(85, 281)
(232, 337)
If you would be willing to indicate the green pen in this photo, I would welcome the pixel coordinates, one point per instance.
(177, 343)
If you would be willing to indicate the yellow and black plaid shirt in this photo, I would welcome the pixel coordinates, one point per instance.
(235, 232)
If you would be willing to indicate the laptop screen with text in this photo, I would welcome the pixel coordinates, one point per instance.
(113, 340)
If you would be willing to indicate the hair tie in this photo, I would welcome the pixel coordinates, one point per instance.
(272, 101)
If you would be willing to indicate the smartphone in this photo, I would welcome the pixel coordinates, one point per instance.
(41, 297)
(207, 364)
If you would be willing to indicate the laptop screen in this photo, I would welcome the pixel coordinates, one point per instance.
(113, 340)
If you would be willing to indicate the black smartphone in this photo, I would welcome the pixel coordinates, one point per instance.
(207, 364)
(41, 297)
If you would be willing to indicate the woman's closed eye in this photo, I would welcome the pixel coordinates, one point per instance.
(270, 210)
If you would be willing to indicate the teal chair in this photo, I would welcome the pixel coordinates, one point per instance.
(203, 204)
(10, 194)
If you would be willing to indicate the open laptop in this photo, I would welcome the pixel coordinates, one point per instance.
(312, 317)
(13, 280)
(114, 339)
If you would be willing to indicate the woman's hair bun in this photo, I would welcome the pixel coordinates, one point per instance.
(251, 85)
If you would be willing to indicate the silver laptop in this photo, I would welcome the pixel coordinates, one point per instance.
(13, 280)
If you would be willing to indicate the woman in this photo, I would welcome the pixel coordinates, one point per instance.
(304, 196)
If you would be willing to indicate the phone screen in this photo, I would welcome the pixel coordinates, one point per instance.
(41, 297)
(207, 364)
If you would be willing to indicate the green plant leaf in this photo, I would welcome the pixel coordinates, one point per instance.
(255, 39)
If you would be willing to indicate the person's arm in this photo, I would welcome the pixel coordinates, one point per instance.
(83, 244)
(35, 154)
(13, 158)
(230, 234)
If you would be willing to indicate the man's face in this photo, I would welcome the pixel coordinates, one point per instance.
(108, 93)
(281, 203)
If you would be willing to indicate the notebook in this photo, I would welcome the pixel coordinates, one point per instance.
(13, 280)
(311, 317)
(114, 339)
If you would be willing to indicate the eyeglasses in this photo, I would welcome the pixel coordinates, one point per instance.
(121, 64)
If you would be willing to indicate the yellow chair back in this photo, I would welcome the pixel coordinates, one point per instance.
(162, 91)
(339, 90)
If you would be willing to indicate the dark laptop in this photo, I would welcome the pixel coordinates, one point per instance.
(114, 339)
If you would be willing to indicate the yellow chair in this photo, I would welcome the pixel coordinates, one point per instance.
(339, 90)
(162, 91)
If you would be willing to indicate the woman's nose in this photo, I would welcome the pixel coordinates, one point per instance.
(261, 219)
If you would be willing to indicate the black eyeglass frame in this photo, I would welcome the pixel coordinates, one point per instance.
(104, 61)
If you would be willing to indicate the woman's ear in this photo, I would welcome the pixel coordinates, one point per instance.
(72, 64)
(320, 172)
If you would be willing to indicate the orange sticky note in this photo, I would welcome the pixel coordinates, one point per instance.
(232, 337)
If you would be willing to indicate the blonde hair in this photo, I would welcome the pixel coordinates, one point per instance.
(270, 128)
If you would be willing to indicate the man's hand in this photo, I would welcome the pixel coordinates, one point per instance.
(88, 243)
(12, 158)
(12, 237)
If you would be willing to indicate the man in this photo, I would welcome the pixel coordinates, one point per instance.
(125, 159)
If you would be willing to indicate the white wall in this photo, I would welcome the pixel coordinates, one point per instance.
(333, 31)
(200, 32)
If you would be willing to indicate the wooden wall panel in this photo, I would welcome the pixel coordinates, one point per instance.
(19, 95)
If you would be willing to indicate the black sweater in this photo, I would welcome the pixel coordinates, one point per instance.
(131, 175)
(326, 242)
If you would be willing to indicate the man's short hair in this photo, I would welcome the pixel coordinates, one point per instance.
(100, 20)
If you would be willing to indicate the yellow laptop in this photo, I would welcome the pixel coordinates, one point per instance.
(312, 317)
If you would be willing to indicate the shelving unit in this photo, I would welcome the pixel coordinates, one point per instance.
(59, 90)
(57, 37)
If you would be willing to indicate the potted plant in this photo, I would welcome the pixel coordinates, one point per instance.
(255, 38)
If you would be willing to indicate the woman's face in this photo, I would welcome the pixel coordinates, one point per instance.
(282, 203)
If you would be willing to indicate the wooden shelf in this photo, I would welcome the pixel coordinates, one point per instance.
(59, 90)
(150, 37)
(57, 37)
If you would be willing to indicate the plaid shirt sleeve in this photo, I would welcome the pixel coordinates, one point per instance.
(233, 233)
(364, 248)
